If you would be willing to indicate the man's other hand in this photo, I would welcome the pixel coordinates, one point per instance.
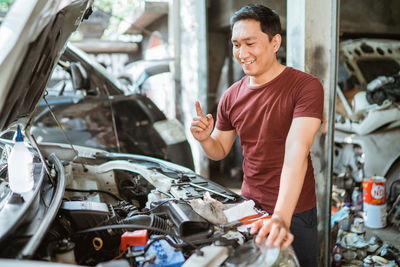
(278, 233)
(202, 125)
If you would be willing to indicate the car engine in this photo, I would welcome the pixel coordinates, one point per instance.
(126, 208)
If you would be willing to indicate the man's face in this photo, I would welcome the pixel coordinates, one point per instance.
(252, 48)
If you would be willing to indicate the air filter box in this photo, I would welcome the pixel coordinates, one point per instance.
(85, 214)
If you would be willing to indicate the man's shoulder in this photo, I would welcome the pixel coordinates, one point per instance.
(235, 87)
(303, 80)
(240, 83)
(301, 74)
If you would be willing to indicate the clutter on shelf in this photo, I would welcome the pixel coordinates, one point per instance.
(351, 220)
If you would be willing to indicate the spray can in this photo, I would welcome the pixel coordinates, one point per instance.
(337, 255)
(357, 199)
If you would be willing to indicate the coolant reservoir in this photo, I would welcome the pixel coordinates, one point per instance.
(20, 166)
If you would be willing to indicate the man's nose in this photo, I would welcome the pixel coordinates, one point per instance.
(243, 52)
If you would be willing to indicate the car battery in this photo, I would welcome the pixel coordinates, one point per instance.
(166, 255)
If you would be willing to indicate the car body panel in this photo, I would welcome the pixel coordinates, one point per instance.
(381, 149)
(33, 44)
(367, 59)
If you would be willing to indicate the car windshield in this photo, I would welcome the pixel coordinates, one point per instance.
(60, 84)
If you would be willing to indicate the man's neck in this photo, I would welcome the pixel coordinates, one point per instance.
(267, 76)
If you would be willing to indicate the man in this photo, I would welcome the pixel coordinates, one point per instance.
(276, 111)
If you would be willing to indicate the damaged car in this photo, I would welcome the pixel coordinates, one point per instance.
(152, 78)
(91, 107)
(93, 207)
(367, 126)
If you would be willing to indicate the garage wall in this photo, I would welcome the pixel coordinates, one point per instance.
(356, 16)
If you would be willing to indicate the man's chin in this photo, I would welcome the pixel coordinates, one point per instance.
(249, 68)
(248, 72)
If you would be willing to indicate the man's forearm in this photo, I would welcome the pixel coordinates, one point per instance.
(291, 184)
(213, 149)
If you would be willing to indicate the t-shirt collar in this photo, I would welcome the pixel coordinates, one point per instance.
(276, 79)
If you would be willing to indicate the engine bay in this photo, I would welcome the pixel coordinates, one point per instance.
(131, 209)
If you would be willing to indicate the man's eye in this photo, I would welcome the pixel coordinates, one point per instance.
(250, 44)
(235, 45)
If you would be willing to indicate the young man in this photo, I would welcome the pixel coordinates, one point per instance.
(276, 111)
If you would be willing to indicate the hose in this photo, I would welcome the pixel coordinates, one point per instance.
(148, 220)
(134, 226)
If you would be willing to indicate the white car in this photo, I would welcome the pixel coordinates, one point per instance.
(86, 203)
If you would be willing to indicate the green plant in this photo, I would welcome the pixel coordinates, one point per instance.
(119, 10)
(5, 5)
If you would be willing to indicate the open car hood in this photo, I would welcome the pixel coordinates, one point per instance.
(373, 67)
(367, 59)
(33, 37)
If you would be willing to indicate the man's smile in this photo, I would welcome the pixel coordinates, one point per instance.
(248, 62)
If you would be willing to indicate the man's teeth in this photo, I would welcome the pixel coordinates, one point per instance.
(248, 62)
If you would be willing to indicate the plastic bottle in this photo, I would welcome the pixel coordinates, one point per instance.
(337, 255)
(345, 223)
(20, 166)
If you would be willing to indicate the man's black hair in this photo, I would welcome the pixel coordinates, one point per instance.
(268, 18)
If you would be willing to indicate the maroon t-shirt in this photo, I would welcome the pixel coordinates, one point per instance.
(261, 116)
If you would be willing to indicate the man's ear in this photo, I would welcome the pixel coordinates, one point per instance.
(276, 42)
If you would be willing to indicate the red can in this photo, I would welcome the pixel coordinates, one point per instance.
(374, 190)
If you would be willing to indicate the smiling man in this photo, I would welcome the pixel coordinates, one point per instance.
(276, 111)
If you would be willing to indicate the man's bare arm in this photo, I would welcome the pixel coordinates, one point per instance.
(298, 145)
(297, 148)
(219, 144)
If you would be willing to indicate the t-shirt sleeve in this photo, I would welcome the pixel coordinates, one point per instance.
(310, 100)
(223, 123)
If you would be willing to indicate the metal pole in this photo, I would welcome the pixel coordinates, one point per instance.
(312, 37)
(331, 126)
(194, 71)
(175, 40)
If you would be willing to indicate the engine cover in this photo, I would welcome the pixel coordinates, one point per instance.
(85, 214)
